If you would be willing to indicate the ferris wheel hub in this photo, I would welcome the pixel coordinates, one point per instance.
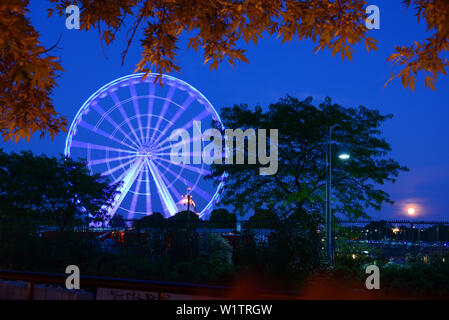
(147, 152)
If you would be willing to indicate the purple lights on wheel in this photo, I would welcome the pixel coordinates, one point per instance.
(123, 131)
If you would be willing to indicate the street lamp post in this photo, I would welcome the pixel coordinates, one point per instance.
(189, 198)
(328, 207)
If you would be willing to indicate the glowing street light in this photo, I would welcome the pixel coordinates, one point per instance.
(343, 155)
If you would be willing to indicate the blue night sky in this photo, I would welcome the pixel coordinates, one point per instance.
(418, 132)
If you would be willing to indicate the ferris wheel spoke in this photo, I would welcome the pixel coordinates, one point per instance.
(109, 160)
(170, 185)
(132, 89)
(128, 180)
(170, 94)
(203, 194)
(90, 127)
(174, 174)
(84, 145)
(150, 111)
(199, 117)
(124, 115)
(104, 115)
(116, 168)
(164, 194)
(184, 165)
(121, 177)
(160, 145)
(172, 189)
(136, 192)
(189, 154)
(191, 140)
(178, 114)
(147, 185)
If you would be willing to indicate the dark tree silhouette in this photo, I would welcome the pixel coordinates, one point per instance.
(299, 184)
(154, 220)
(59, 190)
(222, 218)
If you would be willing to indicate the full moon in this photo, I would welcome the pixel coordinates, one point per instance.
(411, 211)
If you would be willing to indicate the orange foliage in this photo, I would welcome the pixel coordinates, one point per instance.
(27, 77)
(425, 57)
(27, 73)
(218, 25)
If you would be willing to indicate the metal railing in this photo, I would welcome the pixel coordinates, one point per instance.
(160, 287)
(415, 222)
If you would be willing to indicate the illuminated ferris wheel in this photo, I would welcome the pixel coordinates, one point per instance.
(123, 131)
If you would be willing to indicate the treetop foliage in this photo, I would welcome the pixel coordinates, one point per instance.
(216, 27)
(54, 191)
(27, 77)
(426, 57)
(299, 184)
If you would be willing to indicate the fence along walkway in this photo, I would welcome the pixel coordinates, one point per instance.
(159, 287)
